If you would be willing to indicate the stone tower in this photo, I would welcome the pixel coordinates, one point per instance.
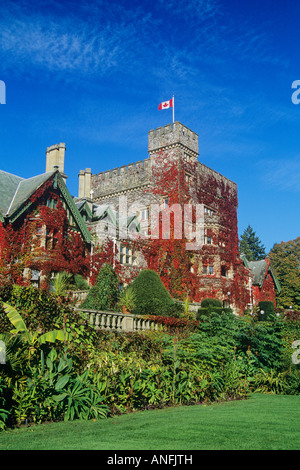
(178, 139)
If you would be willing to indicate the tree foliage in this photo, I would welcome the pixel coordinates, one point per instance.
(151, 295)
(251, 246)
(285, 258)
(104, 294)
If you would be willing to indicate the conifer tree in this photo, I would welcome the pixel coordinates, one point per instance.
(251, 246)
(104, 294)
(285, 259)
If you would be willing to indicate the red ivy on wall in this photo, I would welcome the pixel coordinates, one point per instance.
(267, 291)
(43, 239)
(181, 270)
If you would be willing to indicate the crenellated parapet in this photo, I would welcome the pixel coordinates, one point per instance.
(122, 179)
(173, 135)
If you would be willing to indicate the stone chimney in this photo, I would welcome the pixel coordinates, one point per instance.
(55, 158)
(84, 189)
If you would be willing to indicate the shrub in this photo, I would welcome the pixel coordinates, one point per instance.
(39, 308)
(80, 282)
(207, 311)
(211, 303)
(152, 298)
(104, 294)
(268, 308)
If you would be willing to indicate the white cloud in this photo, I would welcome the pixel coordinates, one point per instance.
(104, 37)
(98, 43)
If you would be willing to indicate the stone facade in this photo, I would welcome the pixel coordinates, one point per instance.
(134, 183)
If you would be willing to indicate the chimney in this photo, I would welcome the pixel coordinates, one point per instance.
(55, 158)
(84, 190)
(81, 184)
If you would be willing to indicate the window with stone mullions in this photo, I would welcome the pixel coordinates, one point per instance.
(125, 255)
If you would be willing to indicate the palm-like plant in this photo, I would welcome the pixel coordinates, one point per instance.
(26, 336)
(127, 298)
(61, 282)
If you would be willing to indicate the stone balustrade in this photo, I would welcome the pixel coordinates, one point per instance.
(118, 321)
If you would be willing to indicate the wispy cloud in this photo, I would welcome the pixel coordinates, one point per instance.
(99, 42)
(60, 45)
(104, 37)
(281, 174)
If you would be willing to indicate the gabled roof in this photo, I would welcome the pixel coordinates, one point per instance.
(259, 271)
(83, 207)
(15, 193)
(8, 186)
(105, 211)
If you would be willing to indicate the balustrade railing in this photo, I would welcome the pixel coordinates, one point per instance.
(118, 321)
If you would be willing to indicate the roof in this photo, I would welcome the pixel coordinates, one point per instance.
(259, 270)
(8, 186)
(105, 211)
(15, 193)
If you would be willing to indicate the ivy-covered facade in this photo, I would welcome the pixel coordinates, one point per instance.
(173, 176)
(41, 230)
(44, 230)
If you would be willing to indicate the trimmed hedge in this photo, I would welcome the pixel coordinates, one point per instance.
(207, 311)
(209, 302)
(152, 298)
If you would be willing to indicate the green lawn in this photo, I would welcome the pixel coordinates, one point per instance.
(263, 422)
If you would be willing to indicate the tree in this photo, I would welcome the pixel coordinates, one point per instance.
(285, 259)
(251, 246)
(104, 294)
(151, 295)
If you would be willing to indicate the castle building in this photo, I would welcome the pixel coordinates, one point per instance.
(168, 212)
(217, 265)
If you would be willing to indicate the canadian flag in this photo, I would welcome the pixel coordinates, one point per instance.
(166, 104)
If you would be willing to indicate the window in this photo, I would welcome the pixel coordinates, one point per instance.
(145, 214)
(224, 271)
(208, 211)
(188, 158)
(208, 270)
(207, 237)
(35, 278)
(51, 203)
(165, 202)
(49, 239)
(188, 178)
(126, 255)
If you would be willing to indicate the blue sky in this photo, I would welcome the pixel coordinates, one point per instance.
(92, 73)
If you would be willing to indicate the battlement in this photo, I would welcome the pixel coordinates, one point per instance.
(124, 178)
(172, 135)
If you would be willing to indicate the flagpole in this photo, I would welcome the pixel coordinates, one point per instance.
(173, 109)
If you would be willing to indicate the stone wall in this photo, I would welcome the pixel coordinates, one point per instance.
(122, 180)
(170, 135)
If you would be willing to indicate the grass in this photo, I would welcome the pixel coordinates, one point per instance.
(263, 422)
